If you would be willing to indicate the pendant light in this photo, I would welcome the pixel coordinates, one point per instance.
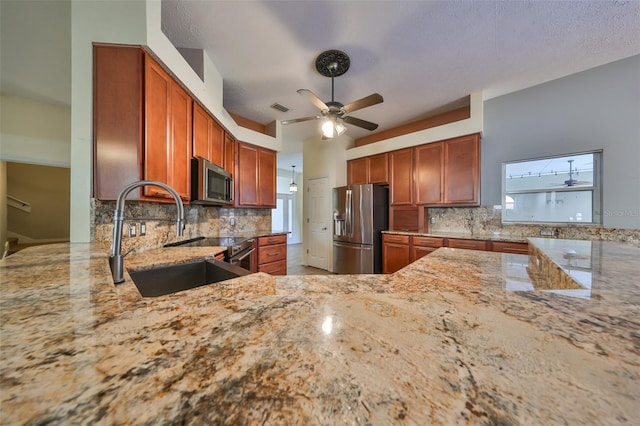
(292, 186)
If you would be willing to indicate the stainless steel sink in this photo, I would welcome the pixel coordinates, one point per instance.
(184, 276)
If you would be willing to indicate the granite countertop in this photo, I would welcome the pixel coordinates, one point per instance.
(446, 340)
(495, 236)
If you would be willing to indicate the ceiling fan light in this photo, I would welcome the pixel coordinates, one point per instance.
(340, 129)
(327, 129)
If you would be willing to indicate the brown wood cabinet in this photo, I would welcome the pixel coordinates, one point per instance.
(422, 246)
(358, 171)
(467, 244)
(506, 247)
(395, 252)
(462, 171)
(429, 161)
(230, 154)
(255, 182)
(272, 254)
(371, 169)
(401, 177)
(208, 136)
(142, 125)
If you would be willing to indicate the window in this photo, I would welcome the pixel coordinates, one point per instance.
(563, 189)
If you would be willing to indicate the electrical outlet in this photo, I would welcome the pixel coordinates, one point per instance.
(547, 233)
(432, 220)
(143, 229)
(232, 221)
(132, 230)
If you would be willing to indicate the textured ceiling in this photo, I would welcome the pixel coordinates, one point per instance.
(421, 56)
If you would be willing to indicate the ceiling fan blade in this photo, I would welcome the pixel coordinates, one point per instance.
(298, 120)
(360, 123)
(313, 98)
(367, 101)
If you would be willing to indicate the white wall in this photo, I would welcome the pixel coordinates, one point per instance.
(594, 109)
(34, 132)
(322, 158)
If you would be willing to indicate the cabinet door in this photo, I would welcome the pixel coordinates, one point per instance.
(180, 141)
(461, 170)
(394, 257)
(157, 109)
(401, 184)
(247, 179)
(429, 160)
(217, 144)
(379, 168)
(201, 132)
(267, 178)
(417, 252)
(357, 171)
(229, 154)
(117, 119)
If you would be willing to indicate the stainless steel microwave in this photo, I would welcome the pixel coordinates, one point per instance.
(210, 184)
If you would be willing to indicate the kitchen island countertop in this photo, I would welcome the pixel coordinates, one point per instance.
(444, 340)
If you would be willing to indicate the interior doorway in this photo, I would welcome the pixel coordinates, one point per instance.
(283, 215)
(319, 242)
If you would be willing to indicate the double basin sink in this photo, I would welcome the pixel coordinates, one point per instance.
(183, 276)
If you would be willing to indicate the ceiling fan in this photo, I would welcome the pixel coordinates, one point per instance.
(334, 63)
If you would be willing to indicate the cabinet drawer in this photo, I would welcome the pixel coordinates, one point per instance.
(427, 241)
(274, 268)
(270, 254)
(519, 248)
(392, 238)
(274, 239)
(468, 244)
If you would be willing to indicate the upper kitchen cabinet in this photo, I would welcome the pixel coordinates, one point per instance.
(379, 168)
(167, 132)
(256, 176)
(208, 136)
(371, 169)
(229, 154)
(142, 125)
(428, 173)
(358, 171)
(401, 177)
(448, 172)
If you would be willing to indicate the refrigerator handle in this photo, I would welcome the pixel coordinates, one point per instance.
(349, 212)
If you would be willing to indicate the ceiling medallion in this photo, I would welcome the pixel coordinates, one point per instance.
(332, 63)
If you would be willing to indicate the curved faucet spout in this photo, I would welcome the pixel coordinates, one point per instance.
(115, 255)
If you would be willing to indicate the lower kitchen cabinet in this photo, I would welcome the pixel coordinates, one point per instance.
(272, 254)
(395, 252)
(422, 246)
(467, 244)
(516, 248)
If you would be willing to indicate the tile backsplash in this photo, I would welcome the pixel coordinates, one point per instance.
(159, 220)
(487, 220)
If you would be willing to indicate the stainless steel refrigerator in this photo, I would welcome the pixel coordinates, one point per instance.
(360, 213)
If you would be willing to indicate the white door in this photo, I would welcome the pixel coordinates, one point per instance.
(319, 202)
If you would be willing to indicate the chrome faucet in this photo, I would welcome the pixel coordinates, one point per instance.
(115, 256)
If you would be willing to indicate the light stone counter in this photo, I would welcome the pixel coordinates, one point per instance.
(494, 236)
(445, 340)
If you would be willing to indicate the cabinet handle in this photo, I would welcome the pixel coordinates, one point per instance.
(273, 254)
(515, 250)
(467, 246)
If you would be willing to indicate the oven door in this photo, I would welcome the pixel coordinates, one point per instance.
(245, 260)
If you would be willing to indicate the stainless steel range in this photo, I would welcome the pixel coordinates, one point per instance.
(239, 249)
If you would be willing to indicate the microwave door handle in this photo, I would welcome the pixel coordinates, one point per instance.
(230, 188)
